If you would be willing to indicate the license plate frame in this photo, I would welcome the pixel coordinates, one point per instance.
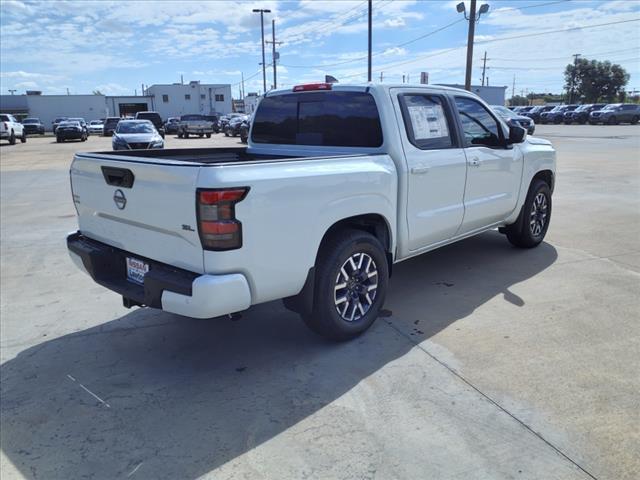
(136, 270)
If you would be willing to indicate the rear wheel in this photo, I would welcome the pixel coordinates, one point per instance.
(532, 224)
(59, 139)
(208, 135)
(185, 134)
(12, 138)
(201, 135)
(23, 138)
(635, 120)
(350, 285)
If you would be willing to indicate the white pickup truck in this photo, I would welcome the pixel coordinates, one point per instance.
(337, 183)
(10, 129)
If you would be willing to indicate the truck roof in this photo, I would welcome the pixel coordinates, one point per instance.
(372, 86)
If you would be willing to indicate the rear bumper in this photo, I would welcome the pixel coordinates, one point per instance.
(165, 287)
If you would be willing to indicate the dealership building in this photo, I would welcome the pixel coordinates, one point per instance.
(168, 100)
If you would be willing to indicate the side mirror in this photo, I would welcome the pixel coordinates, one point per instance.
(516, 134)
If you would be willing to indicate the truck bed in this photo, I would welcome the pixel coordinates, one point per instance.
(190, 155)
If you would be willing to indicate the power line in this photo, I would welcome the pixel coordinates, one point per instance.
(564, 58)
(500, 39)
(328, 22)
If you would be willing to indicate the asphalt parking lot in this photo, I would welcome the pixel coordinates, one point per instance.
(491, 363)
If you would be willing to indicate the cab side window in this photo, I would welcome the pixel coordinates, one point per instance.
(427, 121)
(479, 127)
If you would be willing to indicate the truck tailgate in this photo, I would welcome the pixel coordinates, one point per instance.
(146, 208)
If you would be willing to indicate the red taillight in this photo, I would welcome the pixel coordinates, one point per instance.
(217, 224)
(312, 86)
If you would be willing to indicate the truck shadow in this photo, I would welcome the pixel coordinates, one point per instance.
(183, 397)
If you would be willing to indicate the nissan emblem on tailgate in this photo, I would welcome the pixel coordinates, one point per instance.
(120, 199)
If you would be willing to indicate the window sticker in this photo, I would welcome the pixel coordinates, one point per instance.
(428, 121)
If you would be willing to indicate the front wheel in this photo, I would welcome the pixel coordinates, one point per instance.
(23, 138)
(208, 135)
(635, 120)
(532, 224)
(185, 134)
(12, 138)
(613, 121)
(351, 282)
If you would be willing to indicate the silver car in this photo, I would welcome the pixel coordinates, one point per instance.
(136, 135)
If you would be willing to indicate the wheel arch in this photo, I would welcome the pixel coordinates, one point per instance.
(546, 176)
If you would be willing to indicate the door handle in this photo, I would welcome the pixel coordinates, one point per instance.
(419, 170)
(475, 162)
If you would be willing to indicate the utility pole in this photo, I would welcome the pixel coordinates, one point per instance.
(472, 18)
(262, 11)
(242, 73)
(380, 77)
(573, 77)
(274, 54)
(12, 91)
(370, 39)
(484, 66)
(142, 89)
(513, 88)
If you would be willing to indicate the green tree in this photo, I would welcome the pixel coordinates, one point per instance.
(97, 92)
(518, 101)
(591, 80)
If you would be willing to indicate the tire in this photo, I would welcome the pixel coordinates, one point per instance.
(23, 138)
(339, 253)
(208, 135)
(635, 120)
(59, 140)
(226, 132)
(556, 121)
(185, 134)
(524, 233)
(12, 138)
(613, 121)
(201, 135)
(179, 135)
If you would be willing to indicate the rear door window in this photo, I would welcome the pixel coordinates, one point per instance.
(427, 121)
(336, 119)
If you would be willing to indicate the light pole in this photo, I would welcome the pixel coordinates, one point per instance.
(370, 15)
(472, 18)
(262, 11)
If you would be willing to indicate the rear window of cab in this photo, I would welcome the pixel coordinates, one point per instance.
(327, 119)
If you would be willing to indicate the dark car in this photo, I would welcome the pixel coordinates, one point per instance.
(33, 125)
(535, 112)
(225, 119)
(516, 119)
(56, 122)
(244, 130)
(556, 114)
(70, 130)
(233, 127)
(153, 117)
(581, 114)
(110, 124)
(216, 124)
(171, 126)
(82, 123)
(616, 113)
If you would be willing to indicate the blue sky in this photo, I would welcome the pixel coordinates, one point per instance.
(116, 46)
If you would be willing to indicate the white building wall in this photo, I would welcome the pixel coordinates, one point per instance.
(201, 99)
(251, 102)
(48, 107)
(113, 103)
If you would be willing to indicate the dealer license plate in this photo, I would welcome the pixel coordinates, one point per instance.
(136, 270)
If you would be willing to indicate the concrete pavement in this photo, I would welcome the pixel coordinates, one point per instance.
(492, 362)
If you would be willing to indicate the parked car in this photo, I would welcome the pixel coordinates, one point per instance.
(153, 117)
(96, 127)
(82, 123)
(525, 110)
(194, 124)
(535, 112)
(171, 126)
(214, 120)
(556, 114)
(224, 120)
(233, 127)
(10, 129)
(513, 118)
(57, 121)
(136, 135)
(385, 175)
(581, 114)
(245, 127)
(71, 130)
(33, 126)
(110, 124)
(616, 113)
